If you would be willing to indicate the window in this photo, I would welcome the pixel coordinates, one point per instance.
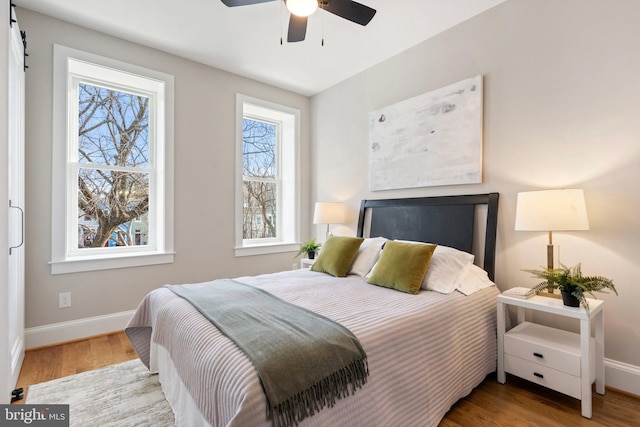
(261, 183)
(267, 177)
(112, 163)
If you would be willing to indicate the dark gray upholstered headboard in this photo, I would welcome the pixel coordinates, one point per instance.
(462, 222)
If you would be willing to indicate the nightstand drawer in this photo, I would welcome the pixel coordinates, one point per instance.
(550, 347)
(543, 375)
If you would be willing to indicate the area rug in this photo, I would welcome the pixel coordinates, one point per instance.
(122, 395)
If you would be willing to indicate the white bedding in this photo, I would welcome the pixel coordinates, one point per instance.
(425, 352)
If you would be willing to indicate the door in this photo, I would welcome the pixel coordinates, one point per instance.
(13, 306)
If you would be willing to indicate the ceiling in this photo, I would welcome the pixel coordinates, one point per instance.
(246, 40)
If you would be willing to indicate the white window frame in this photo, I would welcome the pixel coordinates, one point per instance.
(70, 67)
(259, 114)
(288, 220)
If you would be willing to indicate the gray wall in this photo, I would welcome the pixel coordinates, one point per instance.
(561, 109)
(204, 171)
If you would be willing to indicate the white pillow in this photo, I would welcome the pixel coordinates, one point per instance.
(475, 280)
(447, 269)
(367, 256)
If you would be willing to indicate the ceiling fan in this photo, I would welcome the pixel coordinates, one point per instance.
(301, 9)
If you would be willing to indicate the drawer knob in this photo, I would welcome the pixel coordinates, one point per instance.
(538, 375)
(538, 355)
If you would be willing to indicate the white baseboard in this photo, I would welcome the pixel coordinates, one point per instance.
(622, 376)
(56, 333)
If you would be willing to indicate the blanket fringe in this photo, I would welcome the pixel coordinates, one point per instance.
(341, 383)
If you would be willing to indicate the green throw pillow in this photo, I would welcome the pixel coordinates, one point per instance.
(336, 255)
(402, 266)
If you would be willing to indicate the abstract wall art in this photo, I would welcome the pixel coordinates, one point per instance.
(429, 140)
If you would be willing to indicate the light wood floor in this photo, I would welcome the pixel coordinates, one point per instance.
(49, 363)
(515, 404)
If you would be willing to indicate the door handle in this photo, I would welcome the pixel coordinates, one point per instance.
(21, 227)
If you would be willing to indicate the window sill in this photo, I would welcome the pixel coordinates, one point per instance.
(272, 248)
(103, 263)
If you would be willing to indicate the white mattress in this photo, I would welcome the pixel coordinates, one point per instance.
(424, 351)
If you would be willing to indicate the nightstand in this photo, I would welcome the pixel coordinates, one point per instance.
(557, 359)
(306, 262)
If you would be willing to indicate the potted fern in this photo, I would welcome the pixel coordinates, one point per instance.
(310, 248)
(572, 284)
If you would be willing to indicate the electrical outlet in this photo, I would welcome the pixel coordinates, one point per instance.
(294, 266)
(64, 299)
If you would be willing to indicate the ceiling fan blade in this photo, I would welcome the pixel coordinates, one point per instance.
(351, 10)
(234, 3)
(297, 28)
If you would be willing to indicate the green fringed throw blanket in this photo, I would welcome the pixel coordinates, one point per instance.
(305, 361)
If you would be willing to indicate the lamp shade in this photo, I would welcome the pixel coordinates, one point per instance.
(551, 210)
(329, 213)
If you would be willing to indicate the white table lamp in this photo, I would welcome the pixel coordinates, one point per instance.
(551, 210)
(329, 213)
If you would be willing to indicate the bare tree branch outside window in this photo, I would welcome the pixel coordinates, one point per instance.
(113, 157)
(260, 179)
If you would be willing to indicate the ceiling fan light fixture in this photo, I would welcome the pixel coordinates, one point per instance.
(302, 7)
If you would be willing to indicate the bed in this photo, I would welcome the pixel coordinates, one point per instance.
(424, 351)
